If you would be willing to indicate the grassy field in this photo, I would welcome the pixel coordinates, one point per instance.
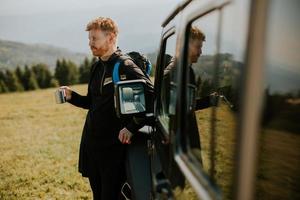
(278, 172)
(278, 162)
(39, 144)
(225, 141)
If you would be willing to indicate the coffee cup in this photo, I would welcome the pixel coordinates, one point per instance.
(60, 96)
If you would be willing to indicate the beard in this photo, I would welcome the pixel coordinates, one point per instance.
(100, 51)
(194, 58)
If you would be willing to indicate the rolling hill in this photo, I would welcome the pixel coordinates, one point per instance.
(16, 53)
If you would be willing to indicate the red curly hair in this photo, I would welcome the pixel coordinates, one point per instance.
(103, 23)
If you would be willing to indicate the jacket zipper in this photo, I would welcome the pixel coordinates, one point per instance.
(102, 80)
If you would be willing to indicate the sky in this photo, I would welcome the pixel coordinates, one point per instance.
(62, 22)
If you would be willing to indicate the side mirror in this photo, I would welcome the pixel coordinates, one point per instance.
(130, 97)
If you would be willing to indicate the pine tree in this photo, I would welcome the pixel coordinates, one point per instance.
(2, 75)
(12, 81)
(30, 82)
(43, 75)
(19, 73)
(72, 73)
(3, 87)
(60, 72)
(66, 72)
(84, 71)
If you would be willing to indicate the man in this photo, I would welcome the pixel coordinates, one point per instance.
(196, 40)
(102, 148)
(195, 43)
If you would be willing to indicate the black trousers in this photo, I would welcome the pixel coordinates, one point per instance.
(107, 173)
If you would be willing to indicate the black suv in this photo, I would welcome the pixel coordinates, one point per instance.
(226, 112)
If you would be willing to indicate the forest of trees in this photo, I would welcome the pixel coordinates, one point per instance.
(39, 76)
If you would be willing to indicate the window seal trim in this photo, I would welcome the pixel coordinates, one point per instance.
(201, 185)
(252, 107)
(165, 36)
(205, 189)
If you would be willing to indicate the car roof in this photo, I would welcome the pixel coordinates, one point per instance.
(175, 11)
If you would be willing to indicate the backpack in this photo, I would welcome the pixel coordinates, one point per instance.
(140, 60)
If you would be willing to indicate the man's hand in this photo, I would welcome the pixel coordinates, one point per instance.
(68, 92)
(125, 136)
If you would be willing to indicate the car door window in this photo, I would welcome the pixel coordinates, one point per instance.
(201, 69)
(168, 89)
(215, 62)
(231, 66)
(278, 170)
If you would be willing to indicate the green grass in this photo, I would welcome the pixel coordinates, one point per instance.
(278, 161)
(39, 144)
(278, 173)
(225, 141)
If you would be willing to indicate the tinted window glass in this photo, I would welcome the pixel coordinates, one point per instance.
(168, 84)
(214, 89)
(279, 162)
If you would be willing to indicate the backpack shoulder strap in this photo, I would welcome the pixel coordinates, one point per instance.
(148, 67)
(116, 74)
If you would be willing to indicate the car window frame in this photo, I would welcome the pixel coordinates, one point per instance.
(199, 180)
(170, 32)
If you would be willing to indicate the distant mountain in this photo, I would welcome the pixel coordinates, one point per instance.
(13, 54)
(280, 79)
(140, 29)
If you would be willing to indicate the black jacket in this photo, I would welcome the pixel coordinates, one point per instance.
(102, 126)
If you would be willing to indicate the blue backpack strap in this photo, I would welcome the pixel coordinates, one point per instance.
(116, 70)
(148, 67)
(116, 76)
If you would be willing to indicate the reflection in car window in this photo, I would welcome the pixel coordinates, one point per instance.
(231, 63)
(213, 90)
(278, 175)
(201, 67)
(168, 84)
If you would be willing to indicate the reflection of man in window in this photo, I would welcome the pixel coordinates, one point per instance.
(196, 39)
(170, 84)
